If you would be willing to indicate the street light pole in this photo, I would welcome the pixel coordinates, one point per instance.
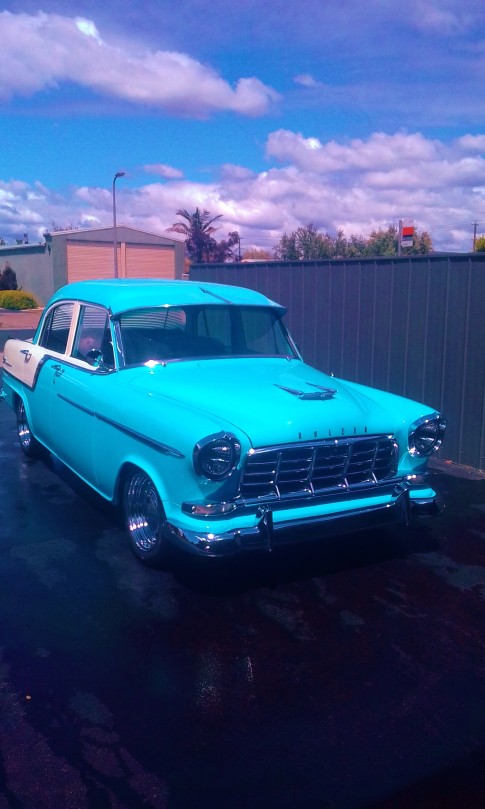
(115, 240)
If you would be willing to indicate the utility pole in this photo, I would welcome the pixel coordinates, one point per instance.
(475, 225)
(115, 238)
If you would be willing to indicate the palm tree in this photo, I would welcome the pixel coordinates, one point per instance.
(198, 231)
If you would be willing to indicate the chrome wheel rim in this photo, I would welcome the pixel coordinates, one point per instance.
(23, 429)
(142, 510)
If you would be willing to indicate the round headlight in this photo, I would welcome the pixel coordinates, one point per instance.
(426, 436)
(217, 456)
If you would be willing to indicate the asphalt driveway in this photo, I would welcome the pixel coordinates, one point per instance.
(340, 676)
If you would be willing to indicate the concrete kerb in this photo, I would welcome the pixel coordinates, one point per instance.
(22, 319)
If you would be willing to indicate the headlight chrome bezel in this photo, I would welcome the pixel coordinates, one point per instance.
(216, 456)
(426, 435)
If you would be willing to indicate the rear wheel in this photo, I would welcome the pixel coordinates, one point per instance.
(144, 518)
(28, 444)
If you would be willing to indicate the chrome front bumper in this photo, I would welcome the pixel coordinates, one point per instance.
(269, 533)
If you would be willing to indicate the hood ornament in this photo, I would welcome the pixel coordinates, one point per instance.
(318, 394)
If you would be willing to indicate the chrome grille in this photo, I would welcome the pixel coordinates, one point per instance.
(317, 467)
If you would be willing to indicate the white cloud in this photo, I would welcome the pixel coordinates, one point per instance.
(88, 28)
(89, 221)
(306, 80)
(44, 50)
(435, 18)
(379, 150)
(169, 172)
(472, 143)
(356, 185)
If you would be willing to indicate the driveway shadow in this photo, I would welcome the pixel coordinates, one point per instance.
(305, 560)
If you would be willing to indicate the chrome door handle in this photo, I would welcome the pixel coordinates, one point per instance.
(58, 370)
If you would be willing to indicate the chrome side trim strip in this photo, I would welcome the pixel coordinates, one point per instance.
(38, 369)
(76, 405)
(151, 442)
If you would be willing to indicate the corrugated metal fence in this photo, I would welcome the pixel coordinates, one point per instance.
(413, 326)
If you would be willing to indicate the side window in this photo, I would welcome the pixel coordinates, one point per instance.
(152, 334)
(56, 328)
(174, 318)
(93, 335)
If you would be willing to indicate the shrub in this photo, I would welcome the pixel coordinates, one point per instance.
(17, 299)
(8, 278)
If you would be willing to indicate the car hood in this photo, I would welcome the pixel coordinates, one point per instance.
(271, 400)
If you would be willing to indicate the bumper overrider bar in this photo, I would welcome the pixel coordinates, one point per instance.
(269, 532)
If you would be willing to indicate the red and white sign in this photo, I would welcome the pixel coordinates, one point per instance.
(407, 232)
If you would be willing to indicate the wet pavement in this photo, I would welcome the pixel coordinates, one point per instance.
(348, 675)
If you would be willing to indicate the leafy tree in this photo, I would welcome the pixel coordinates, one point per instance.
(340, 245)
(303, 244)
(286, 249)
(234, 239)
(480, 244)
(254, 254)
(356, 246)
(57, 228)
(219, 252)
(423, 243)
(308, 243)
(8, 278)
(200, 245)
(383, 242)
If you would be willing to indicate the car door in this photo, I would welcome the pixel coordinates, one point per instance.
(73, 400)
(38, 363)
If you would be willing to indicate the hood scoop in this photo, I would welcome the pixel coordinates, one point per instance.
(310, 395)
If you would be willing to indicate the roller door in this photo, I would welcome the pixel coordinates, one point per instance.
(149, 261)
(94, 260)
(88, 260)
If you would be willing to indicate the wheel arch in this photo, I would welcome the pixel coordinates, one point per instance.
(143, 515)
(127, 468)
(16, 398)
(29, 444)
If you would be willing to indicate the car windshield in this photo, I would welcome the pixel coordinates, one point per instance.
(186, 332)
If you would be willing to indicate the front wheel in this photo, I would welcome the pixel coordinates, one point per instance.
(28, 444)
(144, 517)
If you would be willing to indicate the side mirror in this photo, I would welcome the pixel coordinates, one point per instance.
(97, 359)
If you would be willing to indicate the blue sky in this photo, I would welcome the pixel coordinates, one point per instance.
(350, 115)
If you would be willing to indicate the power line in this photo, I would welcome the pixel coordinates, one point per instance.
(454, 225)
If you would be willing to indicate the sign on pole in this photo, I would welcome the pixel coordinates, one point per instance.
(406, 232)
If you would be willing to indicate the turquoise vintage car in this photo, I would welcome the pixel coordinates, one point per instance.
(189, 405)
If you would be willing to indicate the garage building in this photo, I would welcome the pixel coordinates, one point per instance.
(76, 255)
